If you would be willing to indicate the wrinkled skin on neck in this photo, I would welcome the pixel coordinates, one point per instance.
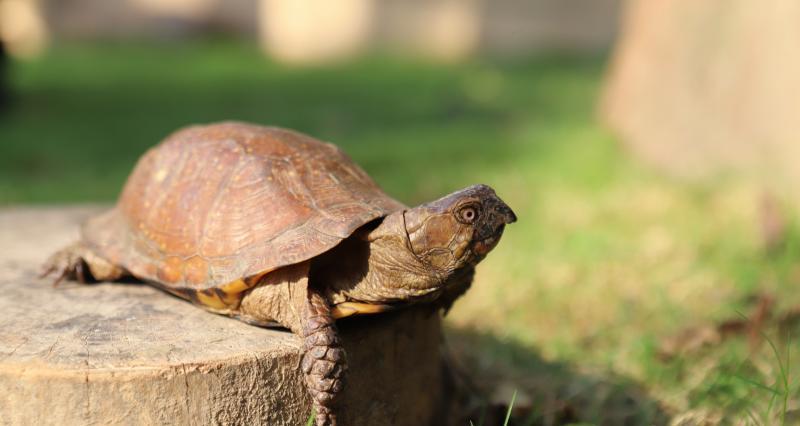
(413, 255)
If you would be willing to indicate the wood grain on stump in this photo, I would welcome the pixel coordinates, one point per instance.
(130, 354)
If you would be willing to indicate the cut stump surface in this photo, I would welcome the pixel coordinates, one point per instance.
(118, 354)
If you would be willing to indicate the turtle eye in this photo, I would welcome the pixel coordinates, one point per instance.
(468, 214)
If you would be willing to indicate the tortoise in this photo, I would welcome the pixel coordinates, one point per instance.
(274, 227)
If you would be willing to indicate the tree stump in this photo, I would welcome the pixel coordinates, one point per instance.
(130, 354)
(699, 88)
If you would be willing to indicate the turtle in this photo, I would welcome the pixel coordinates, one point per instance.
(274, 227)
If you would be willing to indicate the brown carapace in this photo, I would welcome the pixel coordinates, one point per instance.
(275, 227)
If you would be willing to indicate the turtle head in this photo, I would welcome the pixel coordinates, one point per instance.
(458, 229)
(419, 251)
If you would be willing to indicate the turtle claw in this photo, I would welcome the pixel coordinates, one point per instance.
(324, 417)
(45, 271)
(59, 278)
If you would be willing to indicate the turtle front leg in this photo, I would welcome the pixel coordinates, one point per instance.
(285, 296)
(324, 363)
(77, 262)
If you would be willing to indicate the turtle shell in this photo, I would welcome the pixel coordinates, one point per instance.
(217, 204)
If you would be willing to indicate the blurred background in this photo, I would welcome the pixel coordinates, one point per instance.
(647, 147)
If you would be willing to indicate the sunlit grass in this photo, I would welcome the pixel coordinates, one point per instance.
(608, 258)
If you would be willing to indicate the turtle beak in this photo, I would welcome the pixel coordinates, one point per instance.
(505, 213)
(499, 215)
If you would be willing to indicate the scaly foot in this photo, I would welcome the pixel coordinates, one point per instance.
(76, 262)
(67, 263)
(324, 362)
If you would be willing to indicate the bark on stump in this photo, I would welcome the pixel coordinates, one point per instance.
(130, 354)
(702, 87)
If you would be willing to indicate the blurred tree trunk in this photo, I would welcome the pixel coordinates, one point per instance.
(699, 87)
(4, 78)
(308, 31)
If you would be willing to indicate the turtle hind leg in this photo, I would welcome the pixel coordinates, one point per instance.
(76, 262)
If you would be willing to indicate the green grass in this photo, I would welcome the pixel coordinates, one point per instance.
(607, 261)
